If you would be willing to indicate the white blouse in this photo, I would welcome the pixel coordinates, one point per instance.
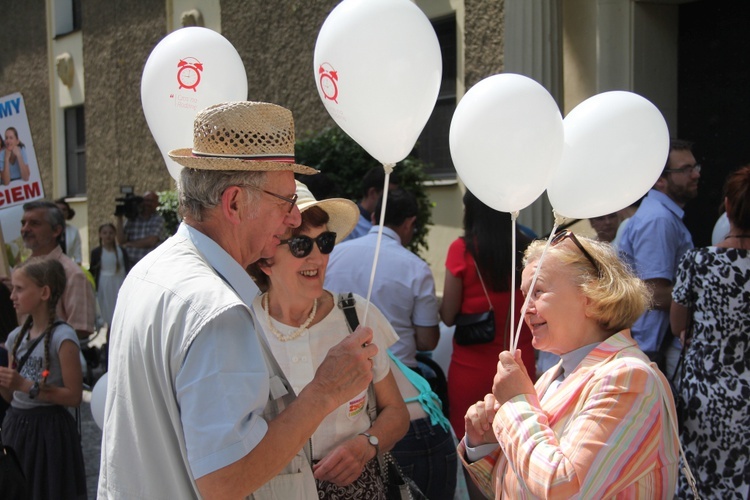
(300, 358)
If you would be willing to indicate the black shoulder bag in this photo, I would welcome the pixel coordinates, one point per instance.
(476, 328)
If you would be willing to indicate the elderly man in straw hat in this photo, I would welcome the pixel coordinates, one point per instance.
(196, 406)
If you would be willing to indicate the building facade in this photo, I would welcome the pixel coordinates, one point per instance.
(78, 65)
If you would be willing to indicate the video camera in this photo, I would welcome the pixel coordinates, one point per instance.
(129, 205)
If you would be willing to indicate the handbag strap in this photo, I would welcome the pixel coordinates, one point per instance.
(481, 281)
(347, 304)
(27, 354)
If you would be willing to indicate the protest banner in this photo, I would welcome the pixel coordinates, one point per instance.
(20, 180)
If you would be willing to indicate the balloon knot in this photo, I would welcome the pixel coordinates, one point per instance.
(559, 219)
(514, 215)
(388, 167)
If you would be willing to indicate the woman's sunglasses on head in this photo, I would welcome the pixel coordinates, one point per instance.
(567, 234)
(301, 246)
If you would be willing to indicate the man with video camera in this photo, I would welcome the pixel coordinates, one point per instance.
(144, 228)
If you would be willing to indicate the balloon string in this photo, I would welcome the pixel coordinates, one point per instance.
(388, 167)
(511, 342)
(530, 291)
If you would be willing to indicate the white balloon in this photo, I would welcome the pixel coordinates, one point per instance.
(189, 70)
(378, 69)
(616, 146)
(99, 400)
(721, 229)
(506, 137)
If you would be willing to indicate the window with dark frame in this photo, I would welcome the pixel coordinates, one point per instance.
(75, 151)
(432, 146)
(68, 16)
(77, 15)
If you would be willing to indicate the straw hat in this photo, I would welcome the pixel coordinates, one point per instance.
(242, 135)
(342, 214)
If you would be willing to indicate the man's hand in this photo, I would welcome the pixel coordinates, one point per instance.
(347, 368)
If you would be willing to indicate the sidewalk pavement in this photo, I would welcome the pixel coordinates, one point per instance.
(91, 435)
(91, 441)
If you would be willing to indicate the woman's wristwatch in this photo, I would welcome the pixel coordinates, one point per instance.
(373, 440)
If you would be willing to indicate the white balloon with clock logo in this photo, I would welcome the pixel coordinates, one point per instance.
(378, 71)
(189, 70)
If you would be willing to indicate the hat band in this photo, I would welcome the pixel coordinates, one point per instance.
(271, 158)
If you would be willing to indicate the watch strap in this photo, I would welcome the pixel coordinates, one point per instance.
(34, 391)
(373, 440)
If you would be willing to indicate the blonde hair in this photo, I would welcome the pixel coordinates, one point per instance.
(618, 297)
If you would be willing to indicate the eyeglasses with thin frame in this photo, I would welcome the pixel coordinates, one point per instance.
(689, 169)
(301, 246)
(292, 201)
(565, 234)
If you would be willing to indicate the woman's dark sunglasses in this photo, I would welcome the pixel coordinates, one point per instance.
(565, 234)
(301, 246)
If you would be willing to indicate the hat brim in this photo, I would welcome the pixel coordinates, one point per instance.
(343, 215)
(186, 158)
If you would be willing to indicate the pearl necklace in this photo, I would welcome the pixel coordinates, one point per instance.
(298, 331)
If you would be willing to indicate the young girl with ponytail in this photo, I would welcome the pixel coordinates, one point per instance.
(42, 378)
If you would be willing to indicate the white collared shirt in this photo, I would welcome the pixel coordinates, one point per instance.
(187, 382)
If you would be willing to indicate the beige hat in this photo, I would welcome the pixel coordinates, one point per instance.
(342, 214)
(242, 135)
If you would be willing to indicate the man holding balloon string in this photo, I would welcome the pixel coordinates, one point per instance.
(196, 405)
(653, 243)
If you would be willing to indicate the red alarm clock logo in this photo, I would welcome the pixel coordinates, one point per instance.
(328, 78)
(189, 73)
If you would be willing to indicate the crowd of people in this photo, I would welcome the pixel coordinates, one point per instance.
(264, 372)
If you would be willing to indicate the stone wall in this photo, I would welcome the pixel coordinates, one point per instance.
(483, 39)
(24, 68)
(118, 36)
(276, 41)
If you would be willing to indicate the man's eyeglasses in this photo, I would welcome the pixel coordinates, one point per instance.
(301, 246)
(689, 169)
(565, 234)
(292, 201)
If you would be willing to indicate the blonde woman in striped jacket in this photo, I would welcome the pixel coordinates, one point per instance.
(598, 424)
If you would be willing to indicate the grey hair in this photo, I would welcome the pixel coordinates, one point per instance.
(200, 190)
(52, 212)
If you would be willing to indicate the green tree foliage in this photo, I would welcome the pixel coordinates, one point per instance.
(168, 209)
(344, 163)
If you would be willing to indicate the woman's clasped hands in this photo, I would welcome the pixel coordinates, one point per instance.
(511, 380)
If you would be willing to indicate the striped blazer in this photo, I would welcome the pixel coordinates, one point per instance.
(604, 433)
